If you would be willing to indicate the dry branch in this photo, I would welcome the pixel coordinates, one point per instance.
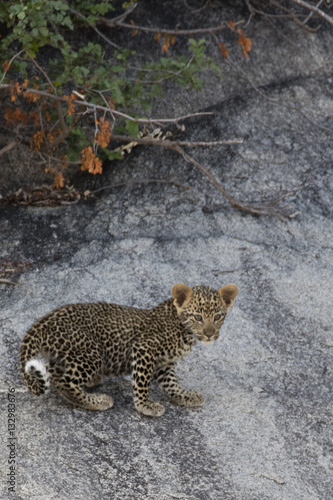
(254, 8)
(264, 209)
(170, 144)
(104, 109)
(107, 40)
(7, 282)
(114, 23)
(9, 146)
(314, 9)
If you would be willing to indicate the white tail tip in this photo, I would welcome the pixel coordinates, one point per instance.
(39, 367)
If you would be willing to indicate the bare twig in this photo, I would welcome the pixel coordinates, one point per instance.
(112, 23)
(195, 11)
(170, 144)
(101, 94)
(10, 62)
(296, 17)
(314, 9)
(281, 33)
(290, 13)
(270, 18)
(65, 132)
(58, 107)
(78, 14)
(7, 282)
(311, 13)
(169, 74)
(42, 71)
(61, 119)
(125, 14)
(9, 146)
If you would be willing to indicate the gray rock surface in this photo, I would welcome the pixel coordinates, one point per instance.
(265, 431)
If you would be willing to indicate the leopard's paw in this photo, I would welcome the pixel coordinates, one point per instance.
(191, 399)
(151, 409)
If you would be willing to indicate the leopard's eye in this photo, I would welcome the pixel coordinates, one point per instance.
(198, 317)
(217, 317)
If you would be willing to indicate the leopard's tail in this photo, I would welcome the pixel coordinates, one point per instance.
(32, 365)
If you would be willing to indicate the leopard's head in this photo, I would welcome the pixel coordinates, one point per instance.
(202, 309)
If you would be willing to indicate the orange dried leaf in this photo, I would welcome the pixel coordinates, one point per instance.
(59, 180)
(231, 24)
(35, 117)
(36, 140)
(12, 94)
(245, 43)
(71, 105)
(104, 135)
(31, 96)
(135, 31)
(25, 117)
(6, 65)
(14, 116)
(87, 159)
(15, 90)
(157, 37)
(90, 161)
(51, 136)
(98, 166)
(166, 44)
(224, 51)
(18, 88)
(64, 164)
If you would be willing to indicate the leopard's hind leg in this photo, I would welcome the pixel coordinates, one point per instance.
(74, 394)
(69, 379)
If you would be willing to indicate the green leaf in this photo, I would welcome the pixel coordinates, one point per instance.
(112, 155)
(132, 128)
(44, 31)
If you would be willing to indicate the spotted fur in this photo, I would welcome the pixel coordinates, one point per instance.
(77, 344)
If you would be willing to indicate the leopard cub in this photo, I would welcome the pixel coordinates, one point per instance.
(74, 346)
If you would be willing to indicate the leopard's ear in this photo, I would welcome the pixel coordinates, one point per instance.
(228, 294)
(182, 295)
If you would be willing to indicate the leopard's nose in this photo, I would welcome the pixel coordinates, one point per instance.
(209, 330)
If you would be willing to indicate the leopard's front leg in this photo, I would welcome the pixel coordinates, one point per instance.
(142, 372)
(168, 382)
